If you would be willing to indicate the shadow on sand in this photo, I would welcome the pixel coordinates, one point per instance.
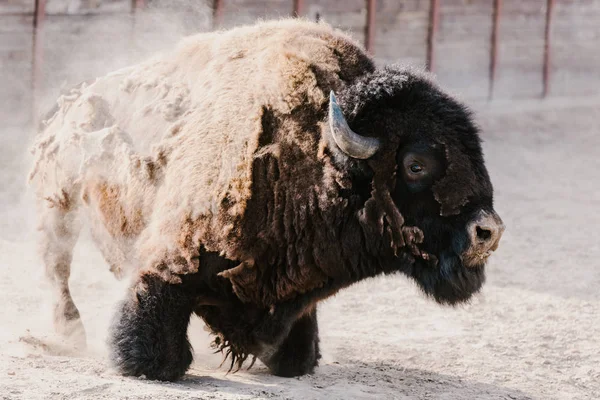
(375, 380)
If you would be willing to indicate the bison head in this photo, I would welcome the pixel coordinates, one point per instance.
(421, 147)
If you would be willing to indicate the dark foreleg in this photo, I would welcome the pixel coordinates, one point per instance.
(298, 353)
(149, 334)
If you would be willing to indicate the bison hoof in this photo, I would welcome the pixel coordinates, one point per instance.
(149, 334)
(299, 353)
(288, 363)
(67, 323)
(73, 333)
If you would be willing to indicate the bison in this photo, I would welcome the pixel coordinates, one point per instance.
(248, 174)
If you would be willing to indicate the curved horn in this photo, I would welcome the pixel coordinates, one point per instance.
(351, 143)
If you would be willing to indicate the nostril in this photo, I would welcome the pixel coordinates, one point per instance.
(483, 234)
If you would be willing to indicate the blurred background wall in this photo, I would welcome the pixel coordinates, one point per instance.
(480, 49)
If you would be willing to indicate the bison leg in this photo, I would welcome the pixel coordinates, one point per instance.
(298, 353)
(149, 334)
(59, 229)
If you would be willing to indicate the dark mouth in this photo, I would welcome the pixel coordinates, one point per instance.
(475, 259)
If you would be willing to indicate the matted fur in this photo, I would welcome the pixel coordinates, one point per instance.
(169, 147)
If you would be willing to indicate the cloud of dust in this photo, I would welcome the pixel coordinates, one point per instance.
(76, 48)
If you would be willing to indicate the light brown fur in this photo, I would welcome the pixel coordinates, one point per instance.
(161, 155)
(119, 221)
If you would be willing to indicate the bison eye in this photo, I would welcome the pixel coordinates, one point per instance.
(419, 169)
(416, 168)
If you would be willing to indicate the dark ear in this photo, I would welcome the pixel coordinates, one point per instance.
(272, 284)
(457, 186)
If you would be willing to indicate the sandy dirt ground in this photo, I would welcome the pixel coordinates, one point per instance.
(533, 332)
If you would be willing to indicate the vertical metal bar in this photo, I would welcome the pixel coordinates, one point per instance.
(434, 14)
(298, 9)
(494, 46)
(39, 13)
(137, 5)
(547, 48)
(370, 27)
(37, 73)
(217, 13)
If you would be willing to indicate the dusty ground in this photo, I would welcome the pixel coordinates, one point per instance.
(533, 333)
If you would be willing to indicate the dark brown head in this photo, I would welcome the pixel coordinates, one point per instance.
(418, 144)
